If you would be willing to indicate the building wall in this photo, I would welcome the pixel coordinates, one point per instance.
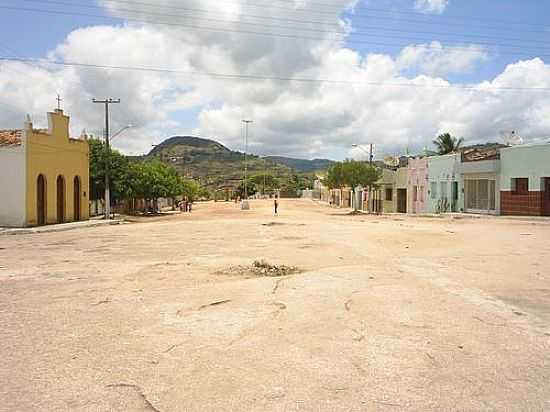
(12, 186)
(388, 182)
(417, 182)
(481, 176)
(401, 178)
(530, 204)
(443, 171)
(52, 153)
(527, 161)
(530, 161)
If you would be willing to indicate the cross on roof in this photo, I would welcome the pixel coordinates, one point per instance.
(59, 100)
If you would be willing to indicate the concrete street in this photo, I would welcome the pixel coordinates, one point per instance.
(390, 313)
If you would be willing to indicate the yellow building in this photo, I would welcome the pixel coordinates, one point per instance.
(44, 175)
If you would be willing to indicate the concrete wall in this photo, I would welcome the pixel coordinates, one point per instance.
(480, 176)
(54, 154)
(401, 178)
(416, 185)
(533, 163)
(443, 172)
(12, 186)
(387, 182)
(530, 161)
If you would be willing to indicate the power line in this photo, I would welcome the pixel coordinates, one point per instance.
(230, 76)
(419, 13)
(355, 15)
(354, 33)
(250, 32)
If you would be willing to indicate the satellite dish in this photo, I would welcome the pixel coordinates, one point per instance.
(510, 137)
(391, 161)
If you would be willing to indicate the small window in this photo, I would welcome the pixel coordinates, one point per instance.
(433, 190)
(415, 193)
(389, 195)
(421, 188)
(520, 186)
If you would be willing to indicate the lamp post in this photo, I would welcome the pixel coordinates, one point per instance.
(106, 103)
(245, 205)
(370, 154)
(129, 126)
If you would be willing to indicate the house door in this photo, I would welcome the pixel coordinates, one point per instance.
(76, 198)
(454, 198)
(41, 200)
(546, 199)
(60, 199)
(401, 200)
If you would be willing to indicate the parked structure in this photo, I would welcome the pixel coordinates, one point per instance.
(479, 170)
(416, 185)
(388, 191)
(320, 191)
(525, 180)
(445, 192)
(44, 175)
(401, 184)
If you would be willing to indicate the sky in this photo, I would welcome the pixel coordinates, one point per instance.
(315, 76)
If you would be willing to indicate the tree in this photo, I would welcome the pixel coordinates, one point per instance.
(446, 143)
(191, 190)
(271, 181)
(153, 179)
(360, 174)
(118, 172)
(352, 174)
(335, 176)
(251, 189)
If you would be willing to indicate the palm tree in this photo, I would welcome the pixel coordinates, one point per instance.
(446, 143)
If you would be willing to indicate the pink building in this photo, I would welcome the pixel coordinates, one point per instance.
(417, 185)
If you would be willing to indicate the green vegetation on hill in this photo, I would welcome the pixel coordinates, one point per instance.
(215, 166)
(302, 165)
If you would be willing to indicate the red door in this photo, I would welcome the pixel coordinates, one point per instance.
(546, 197)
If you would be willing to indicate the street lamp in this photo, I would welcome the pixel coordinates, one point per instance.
(245, 205)
(369, 153)
(129, 126)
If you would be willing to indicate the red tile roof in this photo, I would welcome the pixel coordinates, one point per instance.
(10, 137)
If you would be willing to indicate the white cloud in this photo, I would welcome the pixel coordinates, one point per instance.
(435, 60)
(307, 119)
(431, 6)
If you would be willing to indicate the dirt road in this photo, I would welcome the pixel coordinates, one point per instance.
(390, 313)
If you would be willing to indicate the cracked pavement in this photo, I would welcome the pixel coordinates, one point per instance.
(390, 313)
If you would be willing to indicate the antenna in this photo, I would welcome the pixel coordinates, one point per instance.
(391, 161)
(510, 137)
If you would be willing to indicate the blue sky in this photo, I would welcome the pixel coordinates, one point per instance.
(464, 21)
(506, 31)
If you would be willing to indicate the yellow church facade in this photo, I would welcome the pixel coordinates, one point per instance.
(44, 174)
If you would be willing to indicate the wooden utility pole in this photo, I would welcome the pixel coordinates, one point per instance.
(107, 102)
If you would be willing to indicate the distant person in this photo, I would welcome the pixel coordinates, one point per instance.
(190, 206)
(276, 205)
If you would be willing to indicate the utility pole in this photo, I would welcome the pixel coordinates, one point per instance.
(371, 158)
(107, 102)
(370, 154)
(246, 124)
(265, 173)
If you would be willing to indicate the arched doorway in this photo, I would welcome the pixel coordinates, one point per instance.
(76, 198)
(41, 200)
(60, 199)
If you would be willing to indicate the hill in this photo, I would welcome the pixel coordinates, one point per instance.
(302, 165)
(216, 166)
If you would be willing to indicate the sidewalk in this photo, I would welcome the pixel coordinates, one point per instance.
(60, 227)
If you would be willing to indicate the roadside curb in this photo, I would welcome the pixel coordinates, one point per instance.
(59, 228)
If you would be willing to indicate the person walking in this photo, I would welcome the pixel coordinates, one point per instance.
(276, 205)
